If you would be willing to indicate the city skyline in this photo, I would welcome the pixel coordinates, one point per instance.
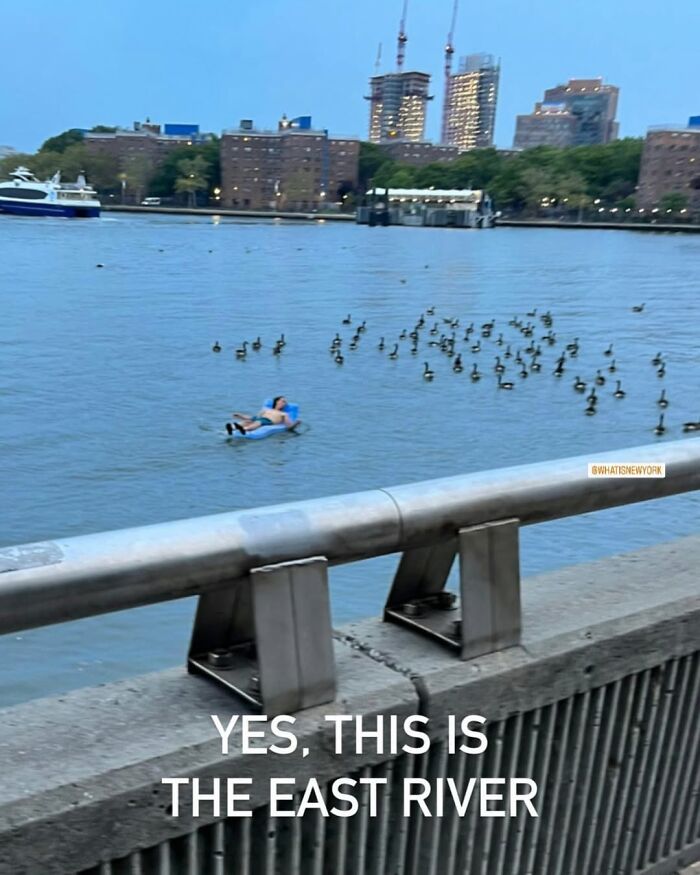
(129, 61)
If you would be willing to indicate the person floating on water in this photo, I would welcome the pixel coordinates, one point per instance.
(274, 415)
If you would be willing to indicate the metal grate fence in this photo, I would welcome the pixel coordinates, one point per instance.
(618, 771)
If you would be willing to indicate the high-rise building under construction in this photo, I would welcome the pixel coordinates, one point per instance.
(398, 101)
(471, 94)
(398, 106)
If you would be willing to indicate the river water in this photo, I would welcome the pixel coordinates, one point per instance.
(113, 403)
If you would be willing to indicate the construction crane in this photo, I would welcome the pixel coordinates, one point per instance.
(403, 39)
(449, 51)
(378, 62)
(376, 95)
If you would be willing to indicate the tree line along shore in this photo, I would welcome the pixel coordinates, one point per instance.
(541, 182)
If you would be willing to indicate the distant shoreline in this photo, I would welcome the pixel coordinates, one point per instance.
(659, 228)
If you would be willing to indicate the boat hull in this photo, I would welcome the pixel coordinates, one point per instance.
(69, 211)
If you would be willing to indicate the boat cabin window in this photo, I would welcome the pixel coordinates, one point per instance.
(71, 195)
(28, 194)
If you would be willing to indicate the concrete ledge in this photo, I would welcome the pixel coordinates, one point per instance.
(87, 766)
(677, 862)
(583, 626)
(222, 211)
(659, 227)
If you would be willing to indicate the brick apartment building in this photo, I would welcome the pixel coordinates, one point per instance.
(671, 165)
(292, 168)
(419, 153)
(139, 152)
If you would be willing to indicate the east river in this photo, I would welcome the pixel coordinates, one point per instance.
(113, 403)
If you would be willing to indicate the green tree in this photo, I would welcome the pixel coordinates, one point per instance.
(538, 186)
(569, 188)
(100, 170)
(383, 174)
(430, 175)
(402, 177)
(516, 181)
(473, 169)
(509, 188)
(296, 191)
(616, 191)
(674, 201)
(138, 170)
(61, 142)
(45, 163)
(12, 162)
(163, 181)
(371, 159)
(192, 178)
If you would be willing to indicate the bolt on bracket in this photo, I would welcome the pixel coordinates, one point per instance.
(268, 637)
(488, 615)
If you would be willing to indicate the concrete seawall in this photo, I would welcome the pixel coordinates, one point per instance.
(596, 705)
(659, 227)
(239, 214)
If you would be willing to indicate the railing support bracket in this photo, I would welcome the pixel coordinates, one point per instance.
(487, 616)
(268, 637)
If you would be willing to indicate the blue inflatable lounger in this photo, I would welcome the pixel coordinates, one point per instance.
(292, 411)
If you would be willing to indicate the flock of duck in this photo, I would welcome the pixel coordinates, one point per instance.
(241, 351)
(519, 351)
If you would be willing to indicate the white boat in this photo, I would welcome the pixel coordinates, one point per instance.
(24, 195)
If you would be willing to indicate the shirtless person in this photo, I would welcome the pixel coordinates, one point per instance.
(267, 416)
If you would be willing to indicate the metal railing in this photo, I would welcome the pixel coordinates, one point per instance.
(263, 622)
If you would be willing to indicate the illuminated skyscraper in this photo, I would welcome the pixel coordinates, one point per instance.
(398, 106)
(470, 103)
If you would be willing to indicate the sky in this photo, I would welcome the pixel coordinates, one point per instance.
(77, 63)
